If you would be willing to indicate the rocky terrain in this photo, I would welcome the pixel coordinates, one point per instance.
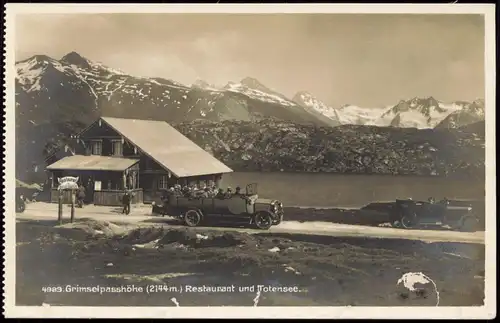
(281, 146)
(55, 98)
(52, 260)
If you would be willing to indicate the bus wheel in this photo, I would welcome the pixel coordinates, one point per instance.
(192, 218)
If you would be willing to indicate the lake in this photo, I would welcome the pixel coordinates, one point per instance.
(327, 190)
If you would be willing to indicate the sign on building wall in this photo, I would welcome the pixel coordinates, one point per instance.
(97, 185)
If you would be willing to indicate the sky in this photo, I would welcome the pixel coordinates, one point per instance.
(365, 60)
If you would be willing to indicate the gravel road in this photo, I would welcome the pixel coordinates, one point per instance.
(142, 215)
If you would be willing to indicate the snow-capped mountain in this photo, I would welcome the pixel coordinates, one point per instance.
(416, 113)
(77, 81)
(308, 100)
(469, 113)
(347, 114)
(253, 88)
(113, 92)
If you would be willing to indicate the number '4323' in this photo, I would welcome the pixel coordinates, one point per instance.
(52, 289)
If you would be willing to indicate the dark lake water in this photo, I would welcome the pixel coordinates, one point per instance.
(326, 190)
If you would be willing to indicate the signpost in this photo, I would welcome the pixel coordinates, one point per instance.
(67, 183)
(72, 206)
(59, 209)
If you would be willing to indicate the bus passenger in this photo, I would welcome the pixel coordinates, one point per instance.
(238, 191)
(229, 193)
(220, 194)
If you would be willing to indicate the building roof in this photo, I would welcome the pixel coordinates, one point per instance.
(168, 147)
(93, 162)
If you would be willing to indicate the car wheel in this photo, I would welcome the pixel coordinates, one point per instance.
(407, 221)
(469, 224)
(396, 224)
(192, 218)
(263, 220)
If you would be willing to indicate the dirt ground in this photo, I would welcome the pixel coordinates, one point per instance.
(81, 263)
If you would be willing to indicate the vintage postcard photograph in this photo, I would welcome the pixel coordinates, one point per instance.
(249, 161)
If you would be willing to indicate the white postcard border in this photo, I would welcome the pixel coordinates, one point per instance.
(10, 310)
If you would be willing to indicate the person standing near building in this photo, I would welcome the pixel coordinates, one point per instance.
(126, 199)
(80, 196)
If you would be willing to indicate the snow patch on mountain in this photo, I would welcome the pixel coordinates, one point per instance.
(204, 85)
(352, 114)
(347, 114)
(100, 66)
(477, 107)
(27, 74)
(258, 94)
(308, 100)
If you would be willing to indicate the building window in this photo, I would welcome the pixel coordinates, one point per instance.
(96, 147)
(163, 182)
(117, 147)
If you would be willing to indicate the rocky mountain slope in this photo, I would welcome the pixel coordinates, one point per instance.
(282, 146)
(98, 87)
(55, 98)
